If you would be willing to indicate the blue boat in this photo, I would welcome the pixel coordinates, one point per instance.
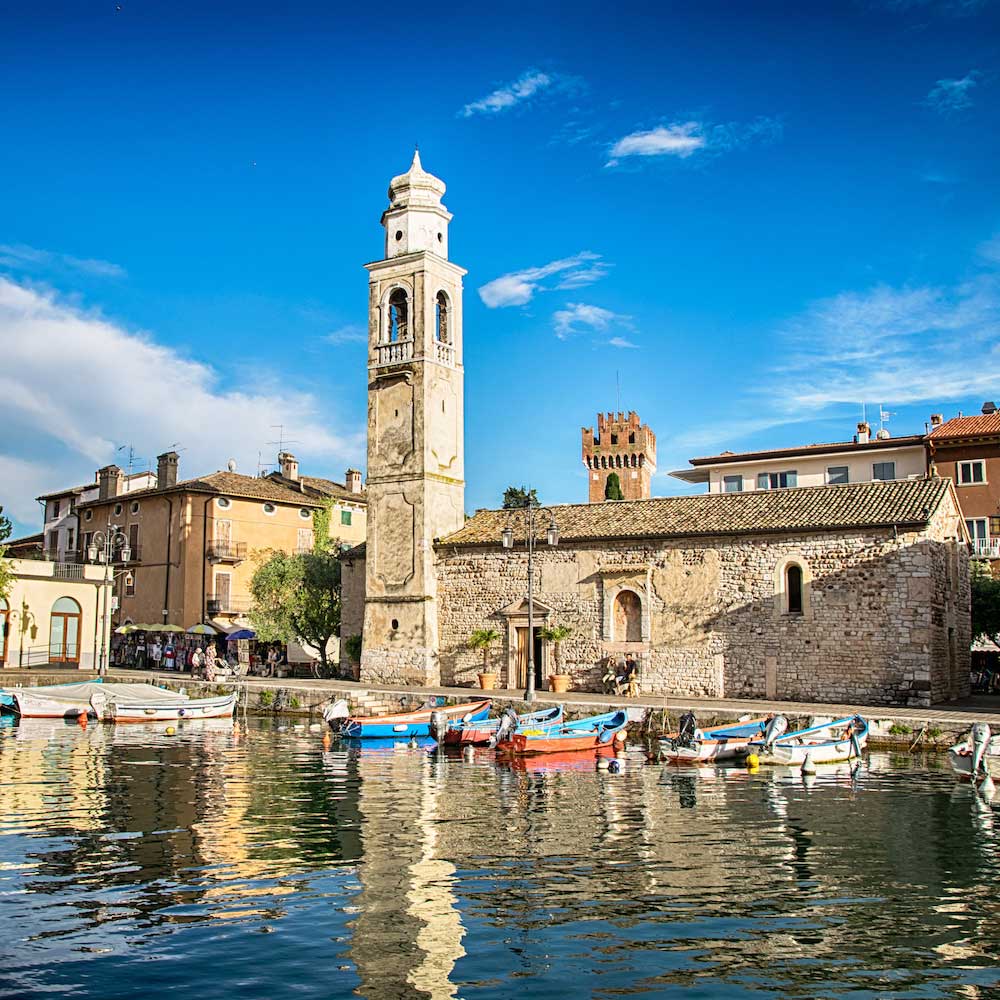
(591, 733)
(465, 733)
(405, 724)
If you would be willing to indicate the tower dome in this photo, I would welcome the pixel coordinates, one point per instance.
(416, 220)
(416, 186)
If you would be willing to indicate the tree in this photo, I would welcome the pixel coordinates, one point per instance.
(298, 597)
(985, 604)
(516, 497)
(613, 488)
(484, 638)
(556, 634)
(6, 576)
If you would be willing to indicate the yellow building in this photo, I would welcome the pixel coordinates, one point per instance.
(194, 544)
(54, 614)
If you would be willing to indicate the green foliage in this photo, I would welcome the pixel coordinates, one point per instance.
(933, 732)
(297, 597)
(265, 699)
(898, 729)
(484, 638)
(556, 634)
(294, 702)
(6, 576)
(985, 603)
(352, 646)
(518, 497)
(322, 542)
(613, 488)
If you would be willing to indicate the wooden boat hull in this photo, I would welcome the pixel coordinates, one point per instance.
(584, 734)
(703, 751)
(480, 733)
(405, 724)
(826, 744)
(200, 708)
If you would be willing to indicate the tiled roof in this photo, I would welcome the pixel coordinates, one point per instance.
(332, 489)
(224, 484)
(980, 425)
(806, 449)
(65, 492)
(908, 502)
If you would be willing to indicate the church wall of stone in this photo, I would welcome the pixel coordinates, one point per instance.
(878, 607)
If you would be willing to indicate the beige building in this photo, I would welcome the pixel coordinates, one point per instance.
(194, 544)
(867, 458)
(55, 613)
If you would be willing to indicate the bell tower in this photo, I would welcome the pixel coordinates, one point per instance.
(416, 474)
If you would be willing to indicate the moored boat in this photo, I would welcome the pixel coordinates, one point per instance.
(583, 734)
(481, 732)
(827, 743)
(69, 701)
(978, 754)
(381, 727)
(7, 694)
(708, 745)
(110, 709)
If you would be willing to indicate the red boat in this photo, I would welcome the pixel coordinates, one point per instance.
(478, 733)
(584, 734)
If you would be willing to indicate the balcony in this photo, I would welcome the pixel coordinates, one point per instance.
(231, 552)
(222, 604)
(445, 353)
(68, 571)
(395, 353)
(986, 548)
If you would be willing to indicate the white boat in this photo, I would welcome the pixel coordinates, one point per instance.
(963, 756)
(827, 743)
(129, 709)
(70, 701)
(690, 745)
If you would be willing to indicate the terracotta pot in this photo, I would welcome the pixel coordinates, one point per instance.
(487, 681)
(559, 683)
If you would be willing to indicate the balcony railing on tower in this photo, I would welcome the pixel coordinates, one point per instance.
(445, 353)
(395, 352)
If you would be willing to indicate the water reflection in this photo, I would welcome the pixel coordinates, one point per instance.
(398, 872)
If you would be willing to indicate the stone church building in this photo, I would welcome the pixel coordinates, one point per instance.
(843, 593)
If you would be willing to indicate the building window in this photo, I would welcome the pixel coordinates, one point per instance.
(971, 473)
(627, 617)
(884, 471)
(345, 517)
(224, 502)
(733, 484)
(793, 588)
(777, 480)
(978, 529)
(118, 509)
(64, 631)
(269, 509)
(88, 514)
(304, 542)
(441, 318)
(836, 475)
(397, 320)
(305, 514)
(134, 507)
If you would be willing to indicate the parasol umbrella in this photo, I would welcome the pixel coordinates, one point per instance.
(124, 629)
(242, 633)
(170, 628)
(201, 629)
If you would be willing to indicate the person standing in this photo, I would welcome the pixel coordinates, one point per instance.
(170, 656)
(156, 653)
(197, 662)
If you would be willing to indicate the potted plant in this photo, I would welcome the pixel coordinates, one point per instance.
(484, 638)
(558, 681)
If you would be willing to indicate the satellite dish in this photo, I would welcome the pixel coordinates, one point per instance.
(231, 465)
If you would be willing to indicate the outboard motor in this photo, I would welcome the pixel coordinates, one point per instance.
(857, 724)
(687, 726)
(335, 713)
(980, 740)
(509, 722)
(439, 725)
(774, 730)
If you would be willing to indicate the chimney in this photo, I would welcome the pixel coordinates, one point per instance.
(166, 469)
(864, 433)
(989, 407)
(353, 480)
(289, 465)
(936, 420)
(111, 482)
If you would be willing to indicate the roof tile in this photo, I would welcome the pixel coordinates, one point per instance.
(979, 425)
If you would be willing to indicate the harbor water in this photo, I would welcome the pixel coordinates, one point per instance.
(224, 862)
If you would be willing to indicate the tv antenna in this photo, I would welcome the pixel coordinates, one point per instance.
(282, 440)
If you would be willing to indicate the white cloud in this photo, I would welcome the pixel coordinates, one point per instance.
(578, 317)
(17, 256)
(74, 385)
(621, 342)
(518, 287)
(675, 140)
(504, 98)
(350, 334)
(951, 95)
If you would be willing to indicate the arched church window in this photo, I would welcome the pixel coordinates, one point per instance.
(627, 617)
(640, 461)
(398, 318)
(618, 461)
(604, 461)
(441, 318)
(793, 588)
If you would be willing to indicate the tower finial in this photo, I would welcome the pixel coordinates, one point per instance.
(416, 164)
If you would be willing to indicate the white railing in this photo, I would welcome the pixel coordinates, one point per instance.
(445, 353)
(395, 352)
(986, 548)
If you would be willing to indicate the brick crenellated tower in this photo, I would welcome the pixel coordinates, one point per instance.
(624, 445)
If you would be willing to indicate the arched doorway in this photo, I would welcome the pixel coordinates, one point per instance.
(628, 617)
(4, 630)
(64, 631)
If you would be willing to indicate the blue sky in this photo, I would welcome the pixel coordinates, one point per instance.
(756, 216)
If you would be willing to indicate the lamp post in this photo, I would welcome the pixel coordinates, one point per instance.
(102, 549)
(530, 515)
(25, 621)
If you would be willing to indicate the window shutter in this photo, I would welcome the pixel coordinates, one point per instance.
(762, 480)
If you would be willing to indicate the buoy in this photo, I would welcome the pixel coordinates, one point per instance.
(82, 720)
(468, 751)
(620, 736)
(171, 730)
(808, 767)
(752, 760)
(614, 766)
(327, 740)
(603, 763)
(808, 779)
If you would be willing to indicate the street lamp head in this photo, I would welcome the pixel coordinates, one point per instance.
(552, 533)
(507, 537)
(126, 554)
(92, 553)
